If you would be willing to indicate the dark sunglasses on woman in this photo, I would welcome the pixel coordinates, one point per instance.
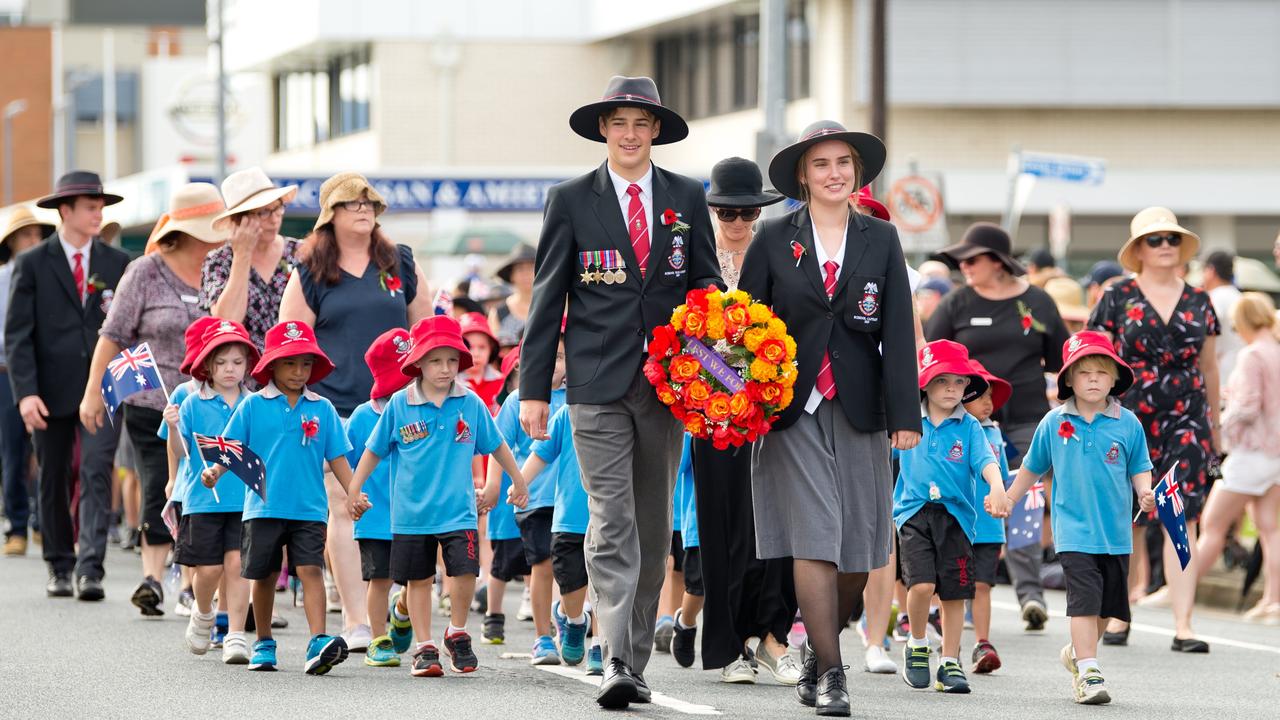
(1154, 241)
(731, 214)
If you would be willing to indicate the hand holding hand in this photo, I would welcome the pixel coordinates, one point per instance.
(997, 503)
(904, 439)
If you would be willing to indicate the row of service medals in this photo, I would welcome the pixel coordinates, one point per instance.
(609, 267)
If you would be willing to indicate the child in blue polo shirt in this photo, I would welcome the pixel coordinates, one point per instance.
(209, 537)
(988, 530)
(1097, 451)
(934, 509)
(373, 529)
(294, 431)
(431, 430)
(684, 625)
(508, 561)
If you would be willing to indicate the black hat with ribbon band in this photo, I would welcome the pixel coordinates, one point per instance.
(736, 183)
(782, 168)
(75, 184)
(984, 238)
(638, 92)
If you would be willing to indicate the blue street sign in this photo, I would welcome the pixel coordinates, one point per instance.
(1064, 168)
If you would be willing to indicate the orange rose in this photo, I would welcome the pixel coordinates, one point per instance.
(684, 368)
(696, 394)
(739, 403)
(773, 351)
(666, 394)
(696, 424)
(695, 323)
(737, 315)
(770, 393)
(718, 407)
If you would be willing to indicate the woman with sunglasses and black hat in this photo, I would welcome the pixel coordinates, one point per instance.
(821, 479)
(507, 318)
(1166, 331)
(744, 597)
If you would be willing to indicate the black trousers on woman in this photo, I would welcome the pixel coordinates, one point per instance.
(745, 596)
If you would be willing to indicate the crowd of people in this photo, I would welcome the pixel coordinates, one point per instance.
(403, 432)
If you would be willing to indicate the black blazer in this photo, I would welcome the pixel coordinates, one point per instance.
(871, 309)
(48, 335)
(608, 324)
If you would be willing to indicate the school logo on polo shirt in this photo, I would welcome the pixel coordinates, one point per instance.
(1113, 455)
(956, 454)
(870, 299)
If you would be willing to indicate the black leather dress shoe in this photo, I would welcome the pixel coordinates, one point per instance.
(833, 694)
(643, 694)
(807, 687)
(617, 687)
(1189, 645)
(1116, 638)
(89, 589)
(59, 586)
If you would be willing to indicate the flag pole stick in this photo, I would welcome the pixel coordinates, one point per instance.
(205, 464)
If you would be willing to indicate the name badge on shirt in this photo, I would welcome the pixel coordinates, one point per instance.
(414, 431)
(980, 322)
(189, 299)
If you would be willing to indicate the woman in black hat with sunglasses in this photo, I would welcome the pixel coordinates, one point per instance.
(744, 597)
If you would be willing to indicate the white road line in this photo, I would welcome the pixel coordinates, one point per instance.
(666, 701)
(1157, 630)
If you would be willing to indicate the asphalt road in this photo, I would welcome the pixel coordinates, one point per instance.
(63, 658)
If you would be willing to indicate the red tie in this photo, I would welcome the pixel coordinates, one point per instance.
(827, 379)
(638, 228)
(77, 272)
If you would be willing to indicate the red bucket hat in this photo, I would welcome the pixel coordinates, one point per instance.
(474, 322)
(864, 198)
(224, 332)
(1082, 345)
(942, 357)
(291, 339)
(384, 357)
(1001, 390)
(510, 362)
(194, 338)
(434, 332)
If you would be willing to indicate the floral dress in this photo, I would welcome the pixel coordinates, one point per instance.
(263, 308)
(1168, 394)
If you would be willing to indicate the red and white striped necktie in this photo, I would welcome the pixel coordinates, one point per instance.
(826, 378)
(638, 227)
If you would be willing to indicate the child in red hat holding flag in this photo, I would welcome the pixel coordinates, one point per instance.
(1097, 451)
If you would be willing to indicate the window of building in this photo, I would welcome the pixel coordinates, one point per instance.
(323, 103)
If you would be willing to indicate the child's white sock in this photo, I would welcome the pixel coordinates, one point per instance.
(205, 617)
(453, 630)
(682, 626)
(426, 643)
(1086, 664)
(952, 660)
(916, 642)
(395, 613)
(580, 620)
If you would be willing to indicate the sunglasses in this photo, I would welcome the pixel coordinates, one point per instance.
(976, 258)
(1154, 241)
(731, 214)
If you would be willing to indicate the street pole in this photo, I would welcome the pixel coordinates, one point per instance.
(222, 99)
(109, 167)
(11, 110)
(773, 78)
(878, 109)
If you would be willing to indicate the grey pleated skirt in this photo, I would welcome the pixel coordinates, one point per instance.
(823, 491)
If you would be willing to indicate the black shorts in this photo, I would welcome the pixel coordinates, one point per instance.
(677, 551)
(986, 561)
(935, 550)
(535, 534)
(375, 559)
(263, 540)
(508, 560)
(1097, 585)
(413, 557)
(693, 572)
(569, 561)
(204, 538)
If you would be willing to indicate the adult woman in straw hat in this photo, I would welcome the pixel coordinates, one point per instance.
(821, 479)
(508, 317)
(245, 279)
(1166, 330)
(352, 284)
(22, 232)
(156, 300)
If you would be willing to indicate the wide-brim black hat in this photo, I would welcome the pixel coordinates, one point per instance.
(737, 183)
(984, 238)
(521, 253)
(77, 183)
(640, 92)
(782, 168)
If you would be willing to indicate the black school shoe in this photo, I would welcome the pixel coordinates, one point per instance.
(807, 686)
(1189, 645)
(59, 585)
(833, 693)
(644, 695)
(89, 589)
(618, 687)
(148, 597)
(683, 642)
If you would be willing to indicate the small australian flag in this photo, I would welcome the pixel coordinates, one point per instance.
(236, 458)
(1170, 508)
(1025, 525)
(132, 371)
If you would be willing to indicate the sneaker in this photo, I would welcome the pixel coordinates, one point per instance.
(544, 652)
(278, 622)
(264, 656)
(784, 669)
(662, 633)
(1034, 615)
(951, 679)
(572, 636)
(525, 613)
(480, 604)
(878, 661)
(797, 637)
(915, 666)
(867, 640)
(495, 629)
(113, 532)
(426, 662)
(197, 635)
(358, 638)
(1068, 658)
(235, 650)
(400, 630)
(461, 657)
(148, 597)
(220, 627)
(985, 658)
(186, 598)
(595, 661)
(739, 672)
(902, 628)
(131, 539)
(324, 652)
(382, 653)
(1091, 688)
(683, 642)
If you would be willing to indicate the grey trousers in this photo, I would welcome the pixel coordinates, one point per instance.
(1024, 563)
(628, 451)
